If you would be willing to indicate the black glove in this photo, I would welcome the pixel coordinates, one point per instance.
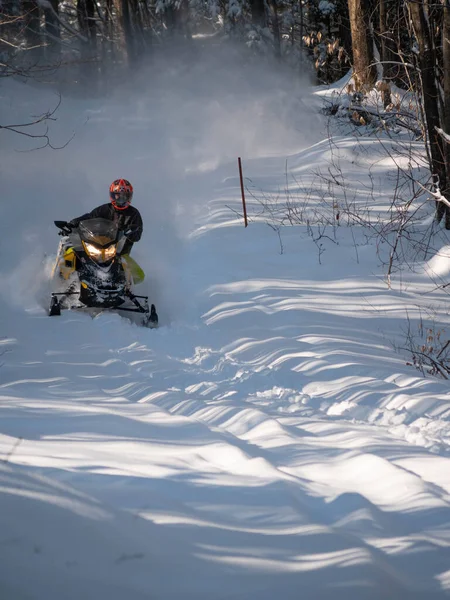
(64, 226)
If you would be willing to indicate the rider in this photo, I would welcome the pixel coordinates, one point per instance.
(120, 211)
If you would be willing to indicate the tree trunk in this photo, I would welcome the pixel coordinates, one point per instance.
(386, 42)
(302, 20)
(275, 28)
(125, 30)
(446, 71)
(427, 65)
(446, 66)
(32, 21)
(128, 31)
(258, 13)
(364, 71)
(138, 32)
(87, 26)
(52, 29)
(345, 34)
(86, 21)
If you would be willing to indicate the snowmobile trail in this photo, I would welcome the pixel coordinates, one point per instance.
(266, 440)
(227, 457)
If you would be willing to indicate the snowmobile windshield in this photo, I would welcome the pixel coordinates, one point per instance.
(98, 231)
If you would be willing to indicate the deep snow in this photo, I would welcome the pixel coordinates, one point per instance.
(267, 440)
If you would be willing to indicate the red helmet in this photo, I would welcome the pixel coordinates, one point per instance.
(121, 193)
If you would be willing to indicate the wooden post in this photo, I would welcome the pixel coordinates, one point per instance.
(242, 191)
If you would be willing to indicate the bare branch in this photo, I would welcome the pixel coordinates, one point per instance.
(44, 118)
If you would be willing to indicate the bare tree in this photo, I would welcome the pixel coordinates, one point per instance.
(446, 78)
(386, 38)
(432, 100)
(258, 9)
(86, 21)
(364, 71)
(52, 27)
(31, 129)
(32, 22)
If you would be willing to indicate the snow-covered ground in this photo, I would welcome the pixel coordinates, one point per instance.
(267, 440)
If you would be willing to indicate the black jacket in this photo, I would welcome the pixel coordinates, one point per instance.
(128, 220)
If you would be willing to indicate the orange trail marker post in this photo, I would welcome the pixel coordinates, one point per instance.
(242, 191)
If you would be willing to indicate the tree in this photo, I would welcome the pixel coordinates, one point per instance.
(435, 119)
(52, 26)
(86, 21)
(446, 77)
(386, 39)
(32, 22)
(364, 71)
(258, 13)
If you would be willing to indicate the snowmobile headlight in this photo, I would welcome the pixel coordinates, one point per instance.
(92, 250)
(110, 252)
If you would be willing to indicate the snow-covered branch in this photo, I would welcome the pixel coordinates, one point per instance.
(444, 136)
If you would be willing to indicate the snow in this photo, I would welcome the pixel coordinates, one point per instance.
(269, 438)
(326, 7)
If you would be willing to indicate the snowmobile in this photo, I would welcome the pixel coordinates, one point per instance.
(90, 270)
